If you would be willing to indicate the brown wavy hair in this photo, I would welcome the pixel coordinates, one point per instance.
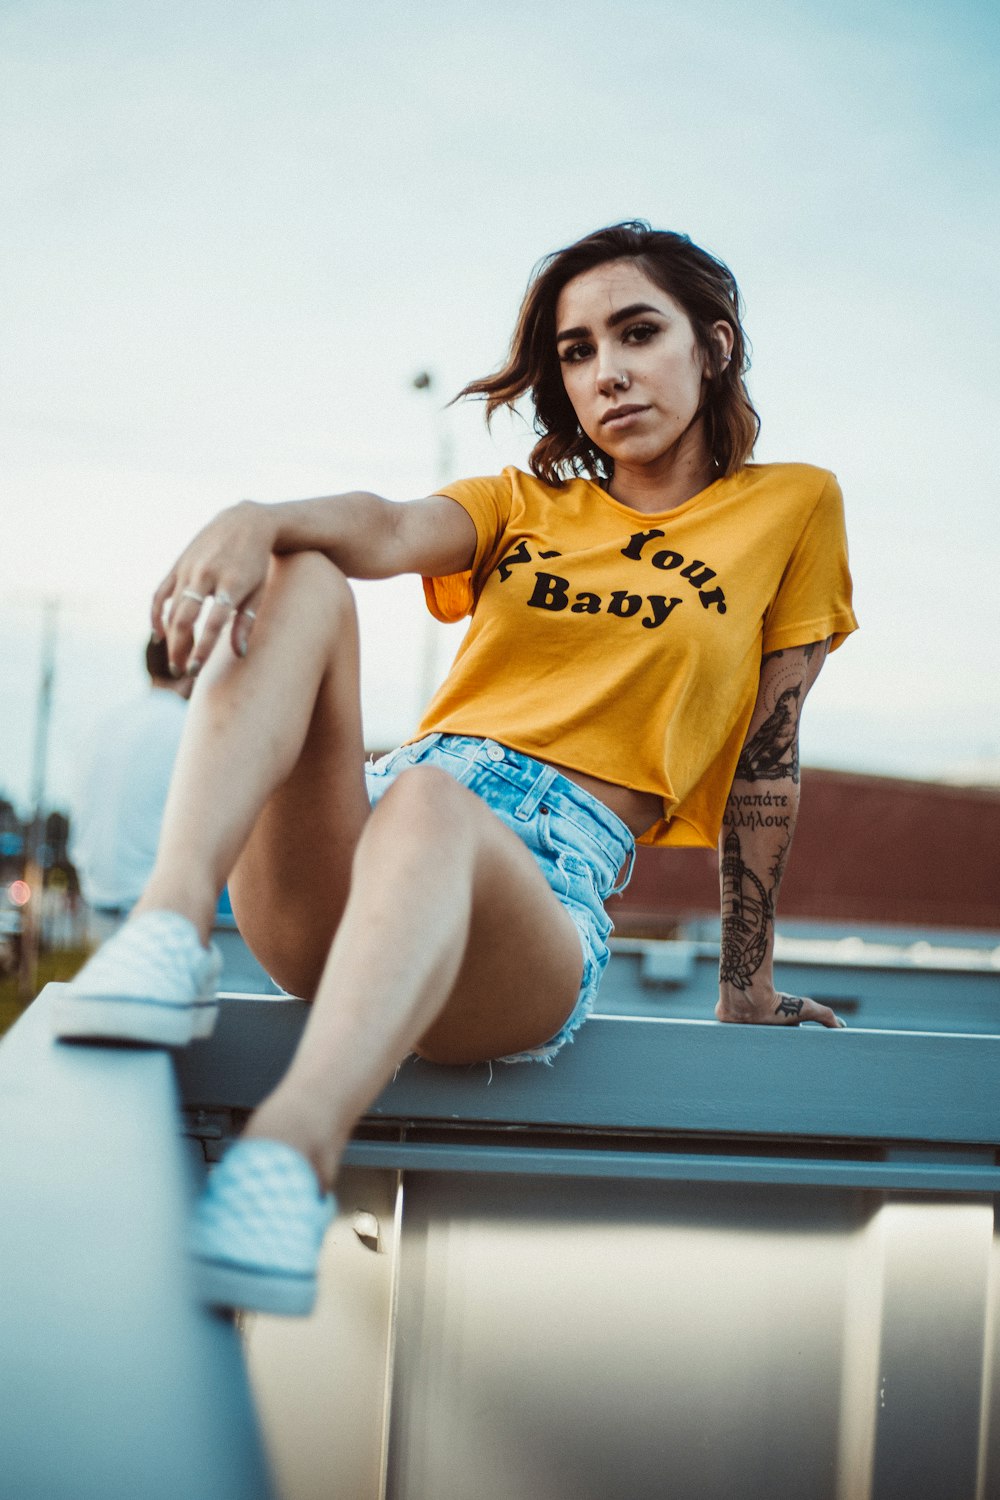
(705, 288)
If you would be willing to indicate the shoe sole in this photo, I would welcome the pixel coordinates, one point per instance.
(124, 1019)
(239, 1287)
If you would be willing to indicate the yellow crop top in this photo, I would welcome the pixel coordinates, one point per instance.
(628, 646)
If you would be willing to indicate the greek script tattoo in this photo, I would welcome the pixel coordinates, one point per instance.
(773, 753)
(757, 810)
(747, 915)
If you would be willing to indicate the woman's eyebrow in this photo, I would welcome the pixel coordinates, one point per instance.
(613, 320)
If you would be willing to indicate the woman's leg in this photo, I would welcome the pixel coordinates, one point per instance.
(452, 943)
(445, 934)
(268, 789)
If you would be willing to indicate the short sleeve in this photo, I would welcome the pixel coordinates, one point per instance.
(488, 503)
(813, 600)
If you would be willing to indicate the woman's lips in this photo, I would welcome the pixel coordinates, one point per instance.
(622, 416)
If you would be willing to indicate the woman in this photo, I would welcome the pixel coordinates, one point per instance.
(648, 614)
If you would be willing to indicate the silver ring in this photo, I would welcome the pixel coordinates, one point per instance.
(251, 614)
(622, 380)
(193, 594)
(221, 597)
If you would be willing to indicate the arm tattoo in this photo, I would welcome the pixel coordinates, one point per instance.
(770, 755)
(778, 868)
(774, 750)
(747, 916)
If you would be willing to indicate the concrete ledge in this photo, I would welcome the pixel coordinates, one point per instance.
(115, 1383)
(644, 1074)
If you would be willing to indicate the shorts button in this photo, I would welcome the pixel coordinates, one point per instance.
(494, 752)
(543, 809)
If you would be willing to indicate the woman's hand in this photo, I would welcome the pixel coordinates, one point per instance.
(227, 565)
(763, 1005)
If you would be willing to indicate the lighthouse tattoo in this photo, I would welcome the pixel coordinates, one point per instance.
(747, 915)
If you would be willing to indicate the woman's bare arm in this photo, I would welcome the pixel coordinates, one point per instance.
(756, 836)
(366, 536)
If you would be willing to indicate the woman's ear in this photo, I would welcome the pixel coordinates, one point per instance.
(724, 338)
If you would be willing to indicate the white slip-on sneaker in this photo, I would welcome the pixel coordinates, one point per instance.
(152, 981)
(257, 1230)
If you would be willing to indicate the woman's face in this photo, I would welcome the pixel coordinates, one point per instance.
(630, 363)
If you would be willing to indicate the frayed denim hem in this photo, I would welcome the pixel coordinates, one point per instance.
(546, 1053)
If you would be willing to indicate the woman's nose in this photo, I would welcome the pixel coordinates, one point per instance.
(611, 377)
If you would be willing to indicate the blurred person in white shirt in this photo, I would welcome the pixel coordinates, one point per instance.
(122, 792)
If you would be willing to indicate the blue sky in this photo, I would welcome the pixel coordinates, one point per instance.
(234, 233)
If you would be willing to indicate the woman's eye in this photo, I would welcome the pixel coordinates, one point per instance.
(639, 333)
(574, 353)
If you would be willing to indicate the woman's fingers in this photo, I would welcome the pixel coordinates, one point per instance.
(775, 1009)
(243, 622)
(220, 610)
(216, 610)
(791, 1010)
(215, 606)
(163, 593)
(185, 610)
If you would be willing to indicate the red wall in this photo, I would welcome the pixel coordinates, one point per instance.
(867, 849)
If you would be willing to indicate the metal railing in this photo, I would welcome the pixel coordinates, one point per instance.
(651, 1145)
(114, 1383)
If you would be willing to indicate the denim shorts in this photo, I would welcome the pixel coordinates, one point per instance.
(580, 846)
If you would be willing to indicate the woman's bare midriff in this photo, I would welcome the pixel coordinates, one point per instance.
(637, 810)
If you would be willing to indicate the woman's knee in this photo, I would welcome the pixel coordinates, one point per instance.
(425, 802)
(312, 582)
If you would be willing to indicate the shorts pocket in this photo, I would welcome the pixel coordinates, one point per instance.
(400, 760)
(386, 764)
(573, 842)
(380, 774)
(582, 889)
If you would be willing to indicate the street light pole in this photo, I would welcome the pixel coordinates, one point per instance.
(31, 915)
(444, 460)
